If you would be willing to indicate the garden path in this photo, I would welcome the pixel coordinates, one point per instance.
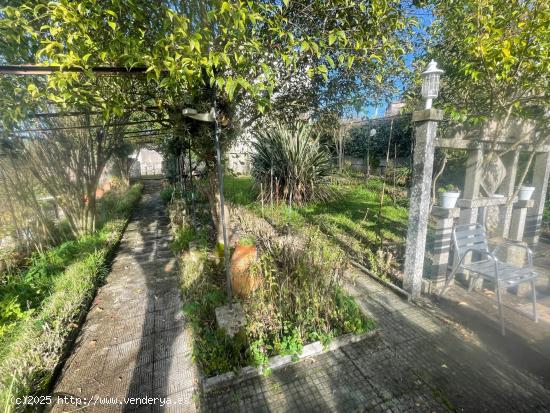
(421, 361)
(134, 342)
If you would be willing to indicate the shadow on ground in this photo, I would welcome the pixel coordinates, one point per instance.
(134, 343)
(421, 361)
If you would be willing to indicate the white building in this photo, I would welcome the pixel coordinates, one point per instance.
(147, 162)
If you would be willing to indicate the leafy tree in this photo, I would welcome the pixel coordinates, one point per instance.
(66, 157)
(196, 52)
(495, 56)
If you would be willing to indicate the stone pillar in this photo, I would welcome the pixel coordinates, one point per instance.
(541, 171)
(518, 219)
(514, 255)
(507, 189)
(426, 122)
(444, 220)
(472, 182)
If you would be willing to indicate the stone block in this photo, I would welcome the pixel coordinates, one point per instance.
(445, 213)
(524, 204)
(230, 319)
(312, 349)
(427, 114)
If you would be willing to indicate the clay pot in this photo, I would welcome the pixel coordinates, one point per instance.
(242, 281)
(99, 193)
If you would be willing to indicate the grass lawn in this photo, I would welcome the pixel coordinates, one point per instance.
(350, 217)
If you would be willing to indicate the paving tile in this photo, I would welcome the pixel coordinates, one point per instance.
(135, 341)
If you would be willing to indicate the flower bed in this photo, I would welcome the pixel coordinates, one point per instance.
(299, 299)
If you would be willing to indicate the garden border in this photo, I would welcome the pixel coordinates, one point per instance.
(278, 362)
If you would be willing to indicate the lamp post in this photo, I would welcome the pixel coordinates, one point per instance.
(372, 134)
(425, 123)
(210, 117)
(430, 83)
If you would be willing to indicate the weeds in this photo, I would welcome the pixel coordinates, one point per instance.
(299, 300)
(350, 219)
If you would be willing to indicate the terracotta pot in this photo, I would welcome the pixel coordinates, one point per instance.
(99, 193)
(242, 281)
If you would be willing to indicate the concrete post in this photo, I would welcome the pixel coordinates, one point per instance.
(507, 189)
(426, 122)
(472, 183)
(517, 222)
(514, 255)
(444, 220)
(541, 172)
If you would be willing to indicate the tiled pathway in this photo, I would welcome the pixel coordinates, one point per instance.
(134, 344)
(419, 363)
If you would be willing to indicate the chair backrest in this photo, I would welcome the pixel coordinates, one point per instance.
(469, 237)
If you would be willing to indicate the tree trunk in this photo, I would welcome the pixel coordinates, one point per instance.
(213, 195)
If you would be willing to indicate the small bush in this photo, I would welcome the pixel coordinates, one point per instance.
(300, 164)
(166, 194)
(300, 300)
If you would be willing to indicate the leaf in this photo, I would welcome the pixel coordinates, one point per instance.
(331, 39)
(230, 86)
(112, 25)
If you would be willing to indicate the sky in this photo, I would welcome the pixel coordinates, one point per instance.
(425, 19)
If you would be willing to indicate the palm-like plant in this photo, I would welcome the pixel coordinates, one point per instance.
(291, 163)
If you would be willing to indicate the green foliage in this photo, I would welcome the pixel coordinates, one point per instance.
(298, 162)
(119, 202)
(213, 350)
(44, 301)
(186, 234)
(448, 188)
(247, 240)
(397, 132)
(166, 194)
(175, 43)
(495, 54)
(299, 301)
(349, 218)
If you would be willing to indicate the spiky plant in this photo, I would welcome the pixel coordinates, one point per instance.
(291, 163)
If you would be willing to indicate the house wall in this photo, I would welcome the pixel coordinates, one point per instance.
(148, 162)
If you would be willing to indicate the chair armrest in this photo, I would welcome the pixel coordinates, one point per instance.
(512, 244)
(490, 255)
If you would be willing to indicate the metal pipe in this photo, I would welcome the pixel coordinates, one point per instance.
(222, 206)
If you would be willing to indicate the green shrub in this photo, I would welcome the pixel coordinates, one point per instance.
(299, 163)
(166, 194)
(300, 300)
